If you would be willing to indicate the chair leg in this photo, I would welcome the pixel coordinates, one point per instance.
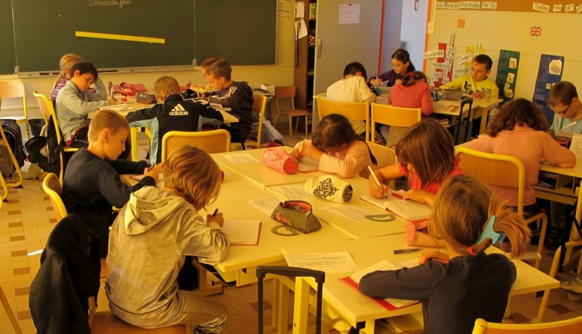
(290, 125)
(296, 123)
(306, 125)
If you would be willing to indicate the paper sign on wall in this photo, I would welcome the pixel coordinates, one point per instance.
(349, 13)
(506, 77)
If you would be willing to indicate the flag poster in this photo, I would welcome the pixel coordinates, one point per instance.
(507, 74)
(549, 73)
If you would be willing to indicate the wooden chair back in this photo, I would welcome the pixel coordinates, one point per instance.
(573, 325)
(259, 107)
(354, 111)
(285, 92)
(52, 187)
(394, 116)
(213, 141)
(12, 157)
(14, 88)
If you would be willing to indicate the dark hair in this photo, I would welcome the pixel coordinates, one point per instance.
(209, 61)
(484, 59)
(562, 92)
(84, 67)
(220, 68)
(404, 57)
(335, 130)
(519, 112)
(355, 67)
(411, 78)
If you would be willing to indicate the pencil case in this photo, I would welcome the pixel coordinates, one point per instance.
(280, 160)
(329, 188)
(297, 215)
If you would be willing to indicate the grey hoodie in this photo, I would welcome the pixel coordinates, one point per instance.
(147, 245)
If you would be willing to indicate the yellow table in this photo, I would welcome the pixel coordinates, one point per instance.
(481, 108)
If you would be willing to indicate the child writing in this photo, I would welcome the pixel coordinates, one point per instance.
(464, 284)
(477, 84)
(65, 64)
(151, 238)
(401, 65)
(193, 91)
(337, 148)
(427, 156)
(91, 186)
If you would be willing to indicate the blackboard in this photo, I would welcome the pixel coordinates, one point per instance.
(45, 30)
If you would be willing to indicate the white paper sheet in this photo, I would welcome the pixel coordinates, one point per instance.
(576, 144)
(340, 262)
(240, 158)
(349, 211)
(265, 204)
(291, 191)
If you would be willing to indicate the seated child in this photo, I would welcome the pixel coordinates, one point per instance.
(337, 148)
(75, 101)
(172, 113)
(151, 238)
(91, 186)
(466, 283)
(65, 64)
(236, 95)
(401, 65)
(477, 84)
(193, 91)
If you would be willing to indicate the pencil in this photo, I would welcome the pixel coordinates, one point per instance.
(300, 150)
(374, 176)
(215, 212)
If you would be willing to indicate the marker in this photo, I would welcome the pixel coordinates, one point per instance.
(439, 260)
(397, 195)
(215, 212)
(374, 176)
(406, 250)
(300, 150)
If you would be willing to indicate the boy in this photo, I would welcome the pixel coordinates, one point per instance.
(477, 84)
(236, 95)
(91, 186)
(75, 101)
(193, 91)
(172, 113)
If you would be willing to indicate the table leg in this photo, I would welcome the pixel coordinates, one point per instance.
(133, 136)
(301, 306)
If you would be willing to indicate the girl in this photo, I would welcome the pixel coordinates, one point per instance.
(65, 64)
(520, 129)
(337, 148)
(464, 284)
(150, 239)
(427, 156)
(401, 65)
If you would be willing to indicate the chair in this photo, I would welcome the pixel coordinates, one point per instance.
(48, 112)
(105, 322)
(385, 156)
(213, 141)
(573, 325)
(52, 187)
(259, 106)
(394, 117)
(288, 93)
(4, 142)
(8, 310)
(505, 171)
(354, 111)
(14, 88)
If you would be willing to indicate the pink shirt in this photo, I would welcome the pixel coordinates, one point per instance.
(530, 147)
(431, 187)
(415, 96)
(347, 163)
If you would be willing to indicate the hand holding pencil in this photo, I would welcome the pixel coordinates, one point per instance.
(377, 189)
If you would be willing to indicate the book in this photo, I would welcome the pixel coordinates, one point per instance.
(242, 232)
(308, 165)
(389, 303)
(407, 209)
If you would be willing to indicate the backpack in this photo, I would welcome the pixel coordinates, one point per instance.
(14, 140)
(46, 151)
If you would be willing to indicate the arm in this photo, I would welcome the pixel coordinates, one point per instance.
(426, 105)
(114, 190)
(208, 112)
(384, 175)
(356, 158)
(556, 154)
(365, 92)
(144, 114)
(457, 83)
(483, 144)
(73, 103)
(420, 196)
(207, 241)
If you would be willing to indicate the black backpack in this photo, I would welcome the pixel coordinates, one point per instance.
(14, 140)
(46, 151)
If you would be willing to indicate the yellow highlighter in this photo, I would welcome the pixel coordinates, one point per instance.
(300, 149)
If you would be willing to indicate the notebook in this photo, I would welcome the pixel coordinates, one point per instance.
(407, 209)
(242, 232)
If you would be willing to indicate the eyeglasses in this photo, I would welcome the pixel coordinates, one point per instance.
(562, 112)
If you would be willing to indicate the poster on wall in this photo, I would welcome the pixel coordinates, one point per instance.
(507, 74)
(549, 73)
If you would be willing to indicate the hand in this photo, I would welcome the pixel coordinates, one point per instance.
(432, 254)
(152, 172)
(478, 95)
(376, 82)
(375, 190)
(111, 101)
(309, 150)
(219, 219)
(295, 154)
(419, 195)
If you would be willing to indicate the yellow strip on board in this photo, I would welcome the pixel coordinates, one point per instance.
(118, 37)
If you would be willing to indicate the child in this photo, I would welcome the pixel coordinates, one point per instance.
(427, 156)
(75, 102)
(352, 88)
(563, 100)
(465, 284)
(236, 95)
(65, 64)
(414, 92)
(337, 148)
(151, 238)
(401, 65)
(172, 113)
(477, 84)
(91, 186)
(520, 129)
(193, 91)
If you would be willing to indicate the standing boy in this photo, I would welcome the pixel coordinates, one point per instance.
(92, 187)
(236, 95)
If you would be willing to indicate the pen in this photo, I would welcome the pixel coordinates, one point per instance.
(406, 250)
(215, 212)
(301, 146)
(397, 195)
(373, 175)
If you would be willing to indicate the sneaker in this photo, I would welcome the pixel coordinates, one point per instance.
(573, 285)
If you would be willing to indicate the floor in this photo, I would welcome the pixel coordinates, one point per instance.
(27, 219)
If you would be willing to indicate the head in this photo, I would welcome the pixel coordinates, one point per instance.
(108, 132)
(427, 150)
(413, 77)
(218, 75)
(463, 206)
(67, 61)
(355, 69)
(166, 86)
(481, 67)
(193, 174)
(206, 64)
(83, 74)
(520, 112)
(563, 100)
(334, 133)
(401, 62)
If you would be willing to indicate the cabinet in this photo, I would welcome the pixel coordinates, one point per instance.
(305, 59)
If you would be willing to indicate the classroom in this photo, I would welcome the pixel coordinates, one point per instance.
(360, 189)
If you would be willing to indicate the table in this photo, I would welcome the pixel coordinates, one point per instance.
(481, 109)
(354, 307)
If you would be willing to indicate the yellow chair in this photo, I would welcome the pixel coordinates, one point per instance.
(573, 325)
(394, 117)
(354, 111)
(385, 156)
(505, 171)
(14, 88)
(20, 178)
(213, 141)
(8, 310)
(259, 107)
(288, 93)
(48, 112)
(3, 183)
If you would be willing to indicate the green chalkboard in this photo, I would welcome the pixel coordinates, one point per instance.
(40, 32)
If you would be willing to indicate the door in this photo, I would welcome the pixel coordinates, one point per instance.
(340, 43)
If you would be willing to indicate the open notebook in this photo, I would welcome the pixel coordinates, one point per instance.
(407, 209)
(242, 232)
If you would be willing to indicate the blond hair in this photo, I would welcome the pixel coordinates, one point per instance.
(65, 63)
(166, 86)
(461, 210)
(106, 119)
(193, 174)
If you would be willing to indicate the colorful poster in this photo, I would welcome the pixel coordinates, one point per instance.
(549, 73)
(507, 74)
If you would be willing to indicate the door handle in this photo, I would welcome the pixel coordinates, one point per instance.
(319, 47)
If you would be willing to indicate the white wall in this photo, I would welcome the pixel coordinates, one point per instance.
(392, 26)
(413, 30)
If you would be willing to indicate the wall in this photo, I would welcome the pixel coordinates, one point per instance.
(392, 25)
(413, 31)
